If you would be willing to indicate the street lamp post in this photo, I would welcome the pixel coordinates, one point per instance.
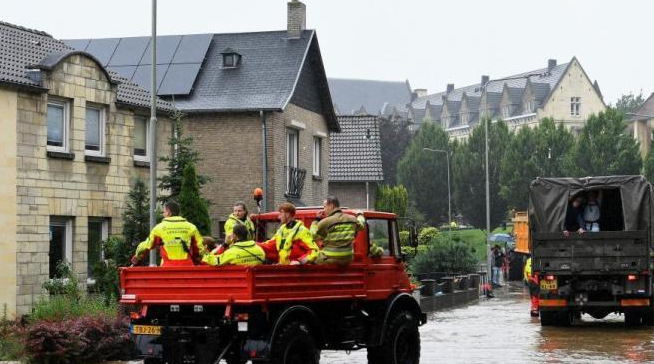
(449, 191)
(153, 129)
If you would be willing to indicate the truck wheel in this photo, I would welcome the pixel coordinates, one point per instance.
(632, 318)
(401, 342)
(295, 345)
(548, 318)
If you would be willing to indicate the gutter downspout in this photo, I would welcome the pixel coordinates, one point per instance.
(264, 162)
(367, 197)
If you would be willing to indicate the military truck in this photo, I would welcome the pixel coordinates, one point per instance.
(280, 313)
(598, 273)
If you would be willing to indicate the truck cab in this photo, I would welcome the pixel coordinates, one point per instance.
(279, 313)
(600, 269)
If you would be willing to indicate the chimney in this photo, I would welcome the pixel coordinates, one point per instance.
(420, 92)
(551, 64)
(297, 18)
(450, 88)
(484, 80)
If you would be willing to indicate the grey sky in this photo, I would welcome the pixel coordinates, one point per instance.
(431, 43)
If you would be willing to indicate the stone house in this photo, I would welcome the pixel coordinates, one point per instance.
(640, 124)
(368, 97)
(75, 137)
(355, 161)
(257, 105)
(563, 92)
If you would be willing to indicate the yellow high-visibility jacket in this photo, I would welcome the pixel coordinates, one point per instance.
(527, 272)
(337, 231)
(232, 221)
(239, 253)
(178, 240)
(291, 243)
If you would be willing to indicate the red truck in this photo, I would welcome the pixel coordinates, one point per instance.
(279, 314)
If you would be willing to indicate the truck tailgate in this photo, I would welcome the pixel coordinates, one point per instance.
(591, 253)
(241, 284)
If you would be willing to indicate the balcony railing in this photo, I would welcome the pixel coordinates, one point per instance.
(294, 181)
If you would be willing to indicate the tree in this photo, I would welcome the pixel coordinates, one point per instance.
(192, 207)
(394, 137)
(629, 103)
(648, 166)
(470, 178)
(604, 149)
(542, 151)
(182, 154)
(136, 217)
(393, 199)
(425, 174)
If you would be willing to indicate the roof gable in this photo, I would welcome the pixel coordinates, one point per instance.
(350, 94)
(355, 152)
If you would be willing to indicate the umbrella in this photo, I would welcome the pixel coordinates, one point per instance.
(505, 238)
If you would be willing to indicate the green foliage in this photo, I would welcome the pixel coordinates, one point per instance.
(12, 338)
(427, 235)
(648, 166)
(393, 199)
(530, 153)
(404, 238)
(445, 254)
(136, 217)
(470, 178)
(65, 283)
(604, 149)
(394, 137)
(629, 103)
(182, 155)
(107, 279)
(62, 307)
(474, 238)
(193, 207)
(424, 173)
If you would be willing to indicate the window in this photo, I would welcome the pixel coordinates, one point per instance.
(141, 129)
(506, 111)
(464, 118)
(61, 243)
(57, 121)
(529, 106)
(317, 155)
(98, 232)
(379, 233)
(575, 106)
(94, 131)
(292, 148)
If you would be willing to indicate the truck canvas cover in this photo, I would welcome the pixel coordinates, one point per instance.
(549, 199)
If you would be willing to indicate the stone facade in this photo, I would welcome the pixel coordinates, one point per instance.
(230, 146)
(70, 185)
(353, 194)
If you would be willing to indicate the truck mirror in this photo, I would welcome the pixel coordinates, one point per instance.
(413, 237)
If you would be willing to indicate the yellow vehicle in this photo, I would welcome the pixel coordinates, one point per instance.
(521, 232)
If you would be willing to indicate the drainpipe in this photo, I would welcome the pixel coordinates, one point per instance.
(264, 162)
(367, 197)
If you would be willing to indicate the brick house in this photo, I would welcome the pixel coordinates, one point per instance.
(257, 105)
(355, 162)
(563, 92)
(75, 136)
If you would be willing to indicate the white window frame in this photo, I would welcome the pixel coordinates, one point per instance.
(317, 155)
(66, 125)
(102, 127)
(464, 118)
(506, 111)
(575, 106)
(66, 222)
(104, 235)
(146, 157)
(293, 161)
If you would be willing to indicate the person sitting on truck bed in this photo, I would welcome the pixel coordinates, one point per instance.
(178, 240)
(574, 220)
(337, 231)
(239, 217)
(241, 251)
(592, 212)
(292, 243)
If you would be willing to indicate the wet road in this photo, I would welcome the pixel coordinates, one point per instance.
(500, 330)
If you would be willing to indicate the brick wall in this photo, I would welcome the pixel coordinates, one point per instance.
(353, 194)
(77, 189)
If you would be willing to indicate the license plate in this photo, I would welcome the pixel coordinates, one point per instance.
(548, 285)
(146, 330)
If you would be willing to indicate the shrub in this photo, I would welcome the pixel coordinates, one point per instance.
(85, 339)
(59, 307)
(107, 279)
(11, 340)
(445, 254)
(427, 235)
(64, 283)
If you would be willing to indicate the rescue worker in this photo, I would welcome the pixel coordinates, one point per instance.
(532, 282)
(293, 242)
(238, 217)
(241, 251)
(337, 231)
(178, 240)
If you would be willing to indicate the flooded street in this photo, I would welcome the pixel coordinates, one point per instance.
(500, 330)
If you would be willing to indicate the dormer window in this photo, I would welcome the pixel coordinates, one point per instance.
(231, 58)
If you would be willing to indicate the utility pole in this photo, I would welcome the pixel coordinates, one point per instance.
(153, 129)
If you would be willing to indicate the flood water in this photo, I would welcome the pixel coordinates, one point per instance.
(500, 330)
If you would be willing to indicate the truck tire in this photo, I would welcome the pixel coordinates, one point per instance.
(295, 345)
(401, 342)
(632, 319)
(556, 318)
